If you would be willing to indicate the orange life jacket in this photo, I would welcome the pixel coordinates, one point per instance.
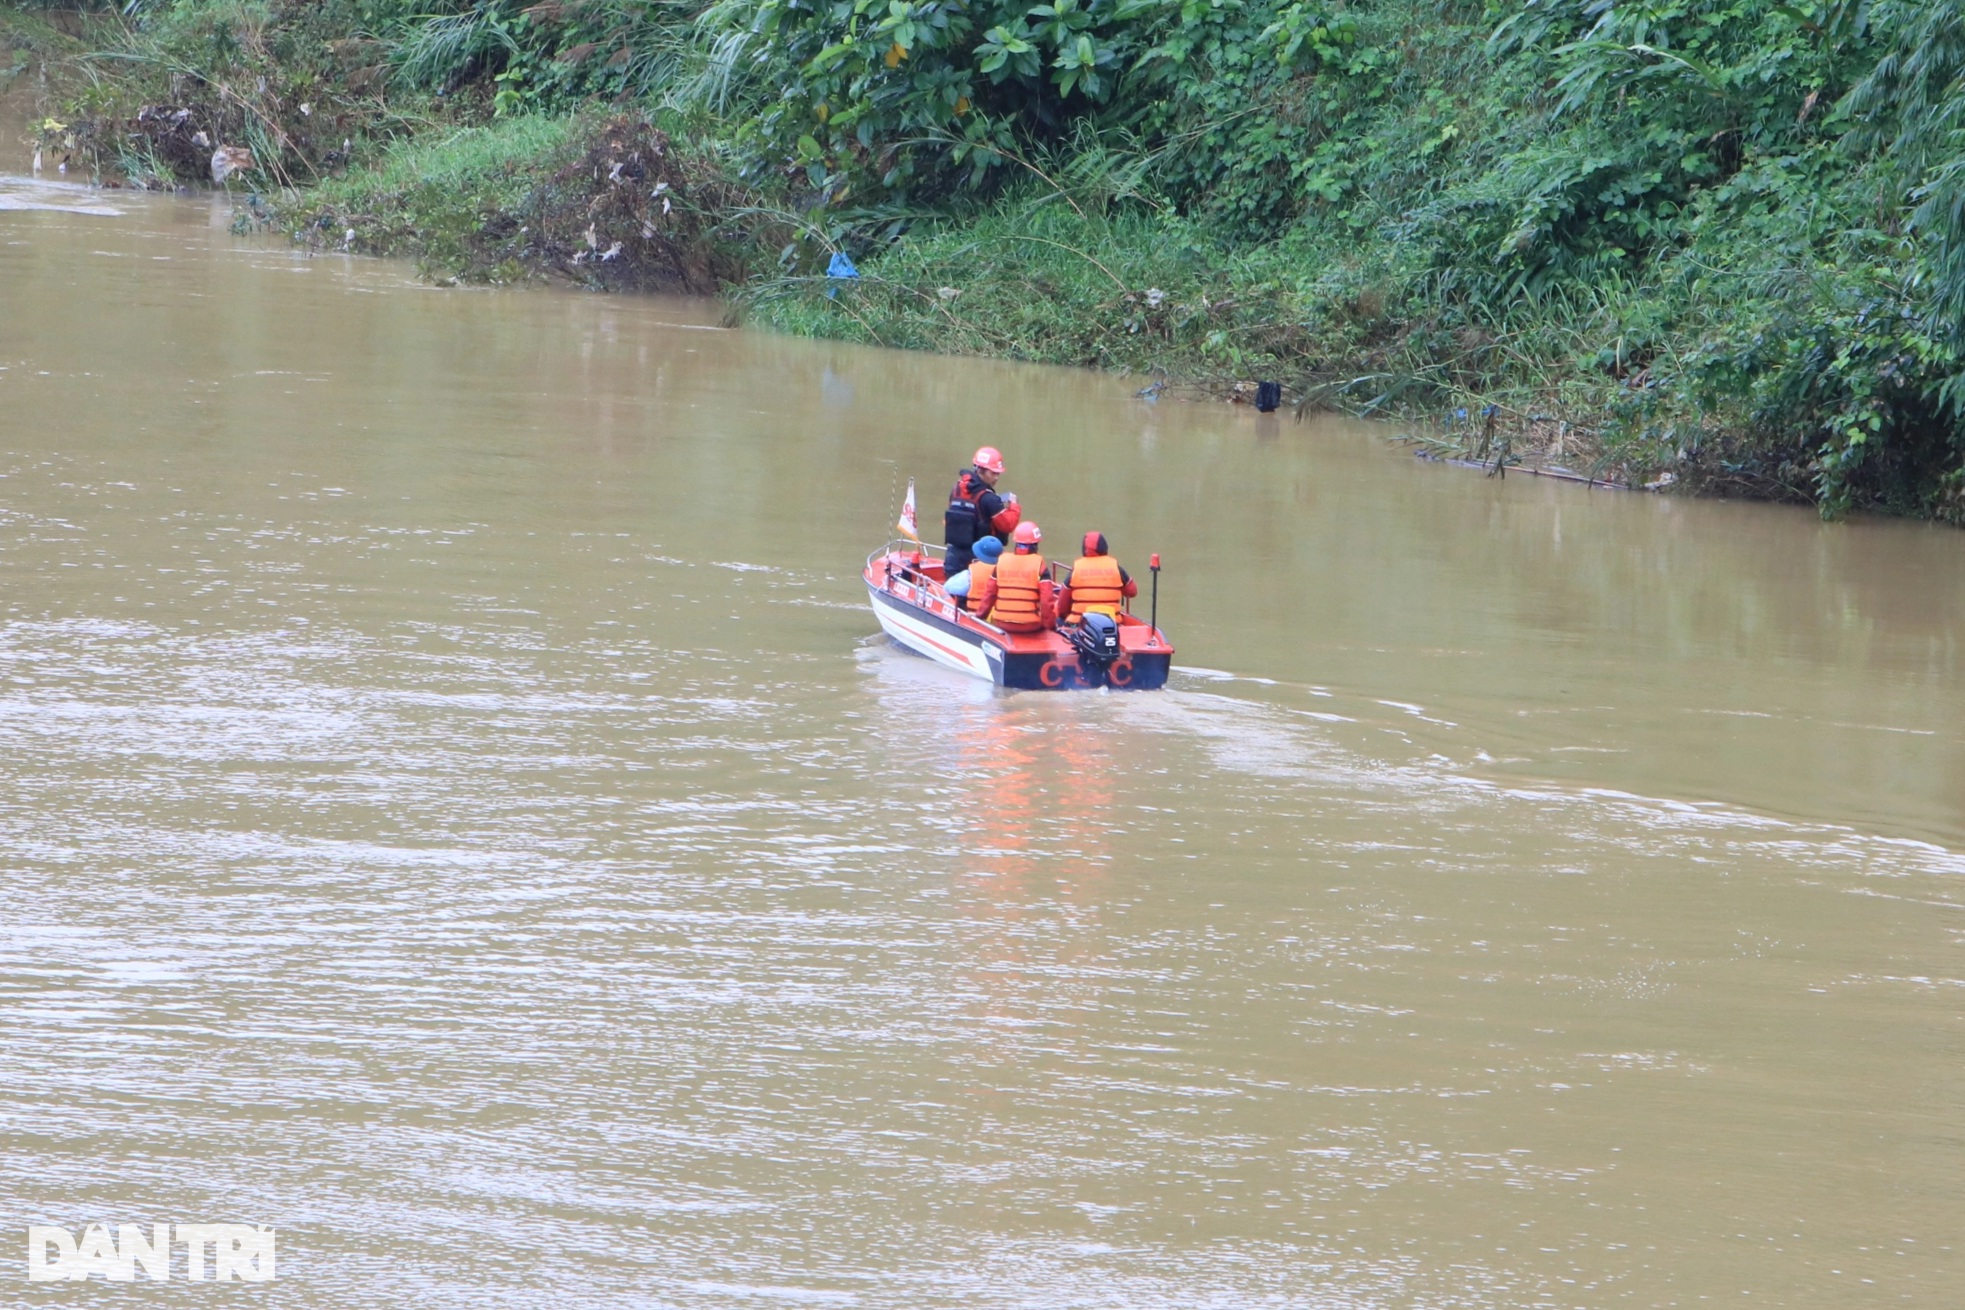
(1096, 586)
(978, 574)
(1018, 599)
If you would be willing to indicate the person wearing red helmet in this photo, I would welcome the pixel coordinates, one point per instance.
(976, 511)
(1018, 596)
(1098, 583)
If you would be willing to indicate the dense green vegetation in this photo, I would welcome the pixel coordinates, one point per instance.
(1723, 239)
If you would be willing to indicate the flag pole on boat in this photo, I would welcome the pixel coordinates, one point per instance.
(1153, 624)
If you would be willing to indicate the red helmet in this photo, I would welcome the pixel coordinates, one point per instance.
(1095, 543)
(1027, 534)
(989, 459)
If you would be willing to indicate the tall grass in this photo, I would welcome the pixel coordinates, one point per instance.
(489, 164)
(435, 197)
(435, 51)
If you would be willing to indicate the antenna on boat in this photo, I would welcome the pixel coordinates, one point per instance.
(1153, 624)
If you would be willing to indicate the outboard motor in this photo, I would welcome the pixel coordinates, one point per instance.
(1096, 639)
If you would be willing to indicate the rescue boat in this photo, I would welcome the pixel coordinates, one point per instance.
(904, 584)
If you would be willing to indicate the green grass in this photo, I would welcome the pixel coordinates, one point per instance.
(438, 196)
(1149, 292)
(605, 199)
(28, 32)
(1026, 281)
(492, 162)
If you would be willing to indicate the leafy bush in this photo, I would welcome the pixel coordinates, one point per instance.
(920, 98)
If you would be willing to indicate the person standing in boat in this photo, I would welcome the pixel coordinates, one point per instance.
(1018, 596)
(976, 511)
(1098, 583)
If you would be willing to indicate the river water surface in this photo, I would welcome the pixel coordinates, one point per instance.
(455, 806)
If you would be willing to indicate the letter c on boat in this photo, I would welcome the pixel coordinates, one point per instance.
(1121, 672)
(1051, 674)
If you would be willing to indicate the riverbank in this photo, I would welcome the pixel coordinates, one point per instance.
(1722, 267)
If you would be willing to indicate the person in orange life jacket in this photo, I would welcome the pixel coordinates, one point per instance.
(975, 511)
(1098, 583)
(1018, 595)
(964, 585)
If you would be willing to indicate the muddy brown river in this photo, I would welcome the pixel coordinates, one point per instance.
(456, 808)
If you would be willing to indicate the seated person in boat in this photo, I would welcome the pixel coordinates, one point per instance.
(976, 511)
(1018, 595)
(963, 586)
(1098, 583)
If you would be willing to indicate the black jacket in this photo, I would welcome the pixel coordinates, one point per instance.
(971, 507)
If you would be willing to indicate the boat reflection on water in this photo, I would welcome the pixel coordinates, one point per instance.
(1029, 799)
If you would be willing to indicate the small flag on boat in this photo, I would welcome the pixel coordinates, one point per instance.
(907, 523)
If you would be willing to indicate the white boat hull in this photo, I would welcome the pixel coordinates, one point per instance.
(939, 643)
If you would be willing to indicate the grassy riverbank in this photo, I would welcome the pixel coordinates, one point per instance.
(1718, 239)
